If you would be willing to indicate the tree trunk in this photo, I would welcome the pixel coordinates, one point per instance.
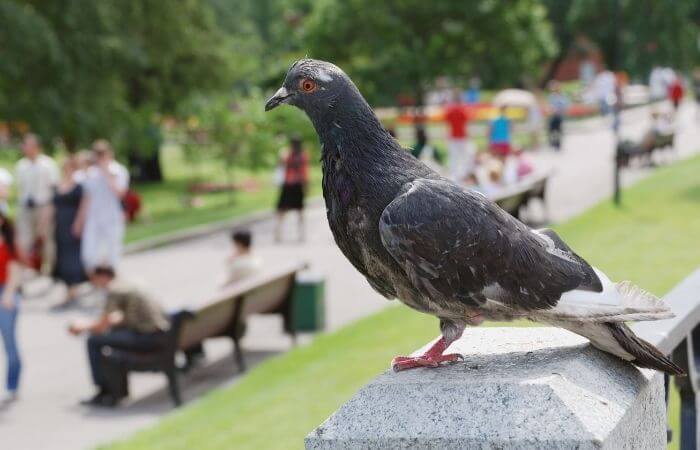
(145, 166)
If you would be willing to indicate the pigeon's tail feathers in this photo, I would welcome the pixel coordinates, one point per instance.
(645, 354)
(619, 340)
(617, 302)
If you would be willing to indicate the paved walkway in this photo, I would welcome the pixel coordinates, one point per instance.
(56, 373)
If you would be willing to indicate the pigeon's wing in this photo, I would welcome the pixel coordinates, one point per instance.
(456, 245)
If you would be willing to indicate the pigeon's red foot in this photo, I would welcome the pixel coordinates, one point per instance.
(431, 358)
(411, 362)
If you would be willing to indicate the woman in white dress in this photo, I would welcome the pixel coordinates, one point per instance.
(102, 223)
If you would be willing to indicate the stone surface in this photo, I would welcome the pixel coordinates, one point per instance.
(518, 388)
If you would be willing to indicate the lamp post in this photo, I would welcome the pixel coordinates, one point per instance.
(616, 24)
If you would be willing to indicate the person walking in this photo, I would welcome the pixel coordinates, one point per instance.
(295, 165)
(131, 321)
(101, 222)
(675, 92)
(37, 176)
(558, 104)
(500, 134)
(67, 198)
(460, 153)
(10, 274)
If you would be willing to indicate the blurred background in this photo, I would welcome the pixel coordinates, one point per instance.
(580, 114)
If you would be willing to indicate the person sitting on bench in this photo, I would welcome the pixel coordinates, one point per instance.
(243, 262)
(131, 321)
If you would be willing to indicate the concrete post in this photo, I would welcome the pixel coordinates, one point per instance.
(518, 388)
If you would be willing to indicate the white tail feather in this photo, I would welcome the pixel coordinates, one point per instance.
(620, 302)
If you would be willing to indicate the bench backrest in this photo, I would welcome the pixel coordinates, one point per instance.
(684, 301)
(260, 294)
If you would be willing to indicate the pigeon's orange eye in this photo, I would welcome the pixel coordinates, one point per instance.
(307, 85)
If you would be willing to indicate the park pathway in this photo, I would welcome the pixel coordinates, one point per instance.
(56, 373)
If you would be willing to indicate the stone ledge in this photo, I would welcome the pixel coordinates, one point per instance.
(517, 388)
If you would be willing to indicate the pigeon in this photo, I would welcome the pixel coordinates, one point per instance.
(446, 250)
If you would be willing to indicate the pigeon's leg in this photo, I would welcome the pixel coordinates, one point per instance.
(434, 356)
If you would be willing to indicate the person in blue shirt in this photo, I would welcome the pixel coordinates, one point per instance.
(500, 134)
(558, 105)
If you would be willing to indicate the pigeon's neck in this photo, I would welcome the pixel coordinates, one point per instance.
(349, 129)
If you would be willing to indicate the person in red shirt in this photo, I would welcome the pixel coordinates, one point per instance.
(675, 92)
(9, 306)
(294, 166)
(461, 153)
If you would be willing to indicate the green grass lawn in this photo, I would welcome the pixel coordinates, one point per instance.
(274, 406)
(168, 206)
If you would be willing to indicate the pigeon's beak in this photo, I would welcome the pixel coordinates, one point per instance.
(281, 96)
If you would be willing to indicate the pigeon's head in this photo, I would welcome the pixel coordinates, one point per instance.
(313, 86)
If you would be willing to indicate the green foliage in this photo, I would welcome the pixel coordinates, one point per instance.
(401, 47)
(239, 132)
(78, 70)
(649, 32)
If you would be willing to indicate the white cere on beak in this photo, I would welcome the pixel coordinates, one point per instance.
(324, 76)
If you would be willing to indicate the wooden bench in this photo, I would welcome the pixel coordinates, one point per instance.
(628, 151)
(513, 198)
(222, 315)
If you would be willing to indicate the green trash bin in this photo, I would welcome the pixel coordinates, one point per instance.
(308, 311)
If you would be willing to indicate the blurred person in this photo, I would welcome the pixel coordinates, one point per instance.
(131, 321)
(5, 185)
(500, 134)
(132, 205)
(37, 175)
(515, 167)
(491, 177)
(295, 165)
(84, 159)
(604, 91)
(619, 104)
(243, 262)
(459, 149)
(534, 123)
(101, 221)
(473, 94)
(10, 275)
(676, 91)
(67, 198)
(657, 84)
(558, 104)
(425, 152)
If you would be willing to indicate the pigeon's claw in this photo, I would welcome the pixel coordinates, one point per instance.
(411, 362)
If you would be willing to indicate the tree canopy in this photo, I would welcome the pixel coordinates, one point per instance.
(400, 46)
(633, 35)
(76, 70)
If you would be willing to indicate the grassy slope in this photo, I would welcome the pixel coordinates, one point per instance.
(166, 204)
(278, 402)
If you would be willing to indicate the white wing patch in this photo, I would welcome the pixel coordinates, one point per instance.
(552, 248)
(616, 303)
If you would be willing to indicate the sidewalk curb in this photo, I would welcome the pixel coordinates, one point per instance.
(192, 233)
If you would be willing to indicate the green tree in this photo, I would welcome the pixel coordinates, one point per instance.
(80, 69)
(400, 46)
(633, 35)
(239, 132)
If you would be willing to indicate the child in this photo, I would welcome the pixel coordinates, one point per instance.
(243, 262)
